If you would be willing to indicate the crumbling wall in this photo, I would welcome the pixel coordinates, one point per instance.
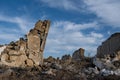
(110, 46)
(29, 51)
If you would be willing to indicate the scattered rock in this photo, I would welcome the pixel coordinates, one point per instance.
(49, 72)
(56, 66)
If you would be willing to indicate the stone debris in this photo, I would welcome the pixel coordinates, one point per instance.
(60, 69)
(91, 70)
(102, 63)
(108, 56)
(56, 66)
(49, 72)
(105, 72)
(26, 51)
(117, 72)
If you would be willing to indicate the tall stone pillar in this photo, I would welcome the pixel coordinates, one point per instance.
(36, 41)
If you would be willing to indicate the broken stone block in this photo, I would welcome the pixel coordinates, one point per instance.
(38, 25)
(13, 52)
(35, 57)
(4, 57)
(22, 45)
(20, 61)
(33, 43)
(13, 58)
(29, 62)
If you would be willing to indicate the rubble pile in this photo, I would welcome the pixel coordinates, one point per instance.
(108, 56)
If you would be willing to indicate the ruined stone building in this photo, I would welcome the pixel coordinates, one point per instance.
(28, 51)
(110, 47)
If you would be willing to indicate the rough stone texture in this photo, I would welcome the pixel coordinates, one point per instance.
(2, 49)
(26, 51)
(4, 57)
(78, 54)
(29, 62)
(60, 69)
(66, 57)
(37, 36)
(110, 46)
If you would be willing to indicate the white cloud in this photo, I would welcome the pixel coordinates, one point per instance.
(21, 22)
(107, 10)
(8, 37)
(76, 27)
(8, 34)
(66, 36)
(63, 4)
(97, 35)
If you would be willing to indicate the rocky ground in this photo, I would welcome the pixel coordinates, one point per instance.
(58, 69)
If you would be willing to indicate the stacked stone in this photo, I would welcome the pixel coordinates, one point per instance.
(29, 51)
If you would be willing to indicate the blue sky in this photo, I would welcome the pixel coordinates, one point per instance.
(74, 23)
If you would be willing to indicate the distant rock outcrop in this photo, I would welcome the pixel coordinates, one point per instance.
(78, 54)
(110, 47)
(28, 51)
(66, 57)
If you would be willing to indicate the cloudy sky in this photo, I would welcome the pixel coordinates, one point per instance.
(74, 23)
